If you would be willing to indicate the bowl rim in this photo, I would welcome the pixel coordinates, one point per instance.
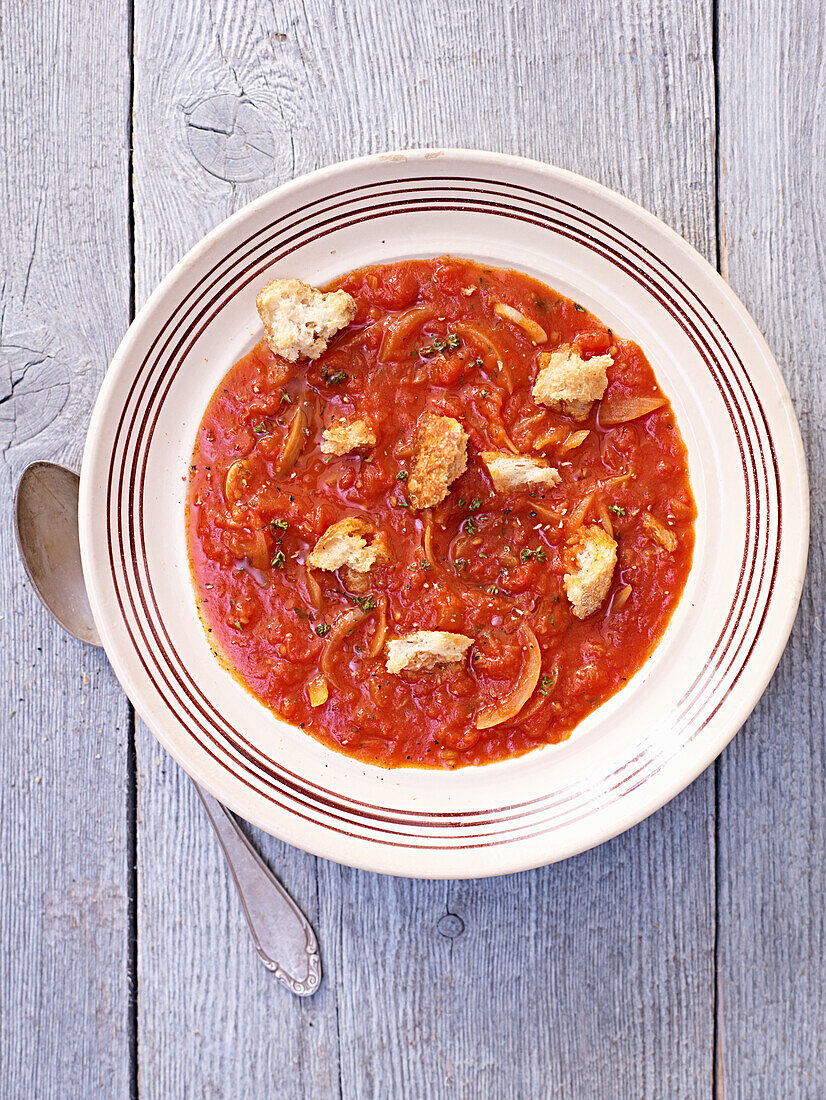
(630, 811)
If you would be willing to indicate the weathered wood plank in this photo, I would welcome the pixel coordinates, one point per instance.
(588, 979)
(593, 978)
(64, 1025)
(772, 831)
(212, 1021)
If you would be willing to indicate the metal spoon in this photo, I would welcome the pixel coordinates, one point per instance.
(45, 521)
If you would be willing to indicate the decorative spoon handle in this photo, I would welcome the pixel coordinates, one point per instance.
(45, 521)
(277, 925)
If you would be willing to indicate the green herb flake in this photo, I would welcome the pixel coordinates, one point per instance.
(615, 508)
(259, 429)
(279, 559)
(322, 629)
(401, 475)
(579, 308)
(451, 341)
(538, 555)
(470, 525)
(546, 685)
(337, 379)
(280, 524)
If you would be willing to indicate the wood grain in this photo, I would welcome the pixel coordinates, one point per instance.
(772, 828)
(64, 302)
(593, 978)
(212, 1021)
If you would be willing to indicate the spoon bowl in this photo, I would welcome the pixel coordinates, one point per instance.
(45, 523)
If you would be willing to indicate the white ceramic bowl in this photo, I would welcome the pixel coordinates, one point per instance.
(747, 469)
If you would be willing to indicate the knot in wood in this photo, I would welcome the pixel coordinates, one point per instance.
(231, 138)
(450, 925)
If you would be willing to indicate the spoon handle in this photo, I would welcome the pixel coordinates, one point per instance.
(283, 938)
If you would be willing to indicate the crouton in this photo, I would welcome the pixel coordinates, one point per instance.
(345, 435)
(594, 555)
(570, 384)
(518, 471)
(425, 649)
(299, 320)
(357, 580)
(344, 544)
(439, 457)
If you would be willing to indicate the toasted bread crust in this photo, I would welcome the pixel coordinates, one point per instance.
(344, 436)
(299, 320)
(344, 544)
(509, 471)
(570, 384)
(593, 555)
(439, 457)
(425, 649)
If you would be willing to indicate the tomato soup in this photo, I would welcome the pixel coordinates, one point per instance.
(464, 341)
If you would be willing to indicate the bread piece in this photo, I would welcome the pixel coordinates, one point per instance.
(570, 384)
(439, 457)
(518, 471)
(425, 649)
(357, 580)
(299, 320)
(345, 435)
(594, 555)
(344, 543)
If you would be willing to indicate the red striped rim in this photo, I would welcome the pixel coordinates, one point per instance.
(195, 311)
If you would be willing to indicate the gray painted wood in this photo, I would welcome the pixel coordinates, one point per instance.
(594, 978)
(64, 301)
(772, 827)
(588, 979)
(212, 1021)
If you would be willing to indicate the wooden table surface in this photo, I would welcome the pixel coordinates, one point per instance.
(686, 958)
